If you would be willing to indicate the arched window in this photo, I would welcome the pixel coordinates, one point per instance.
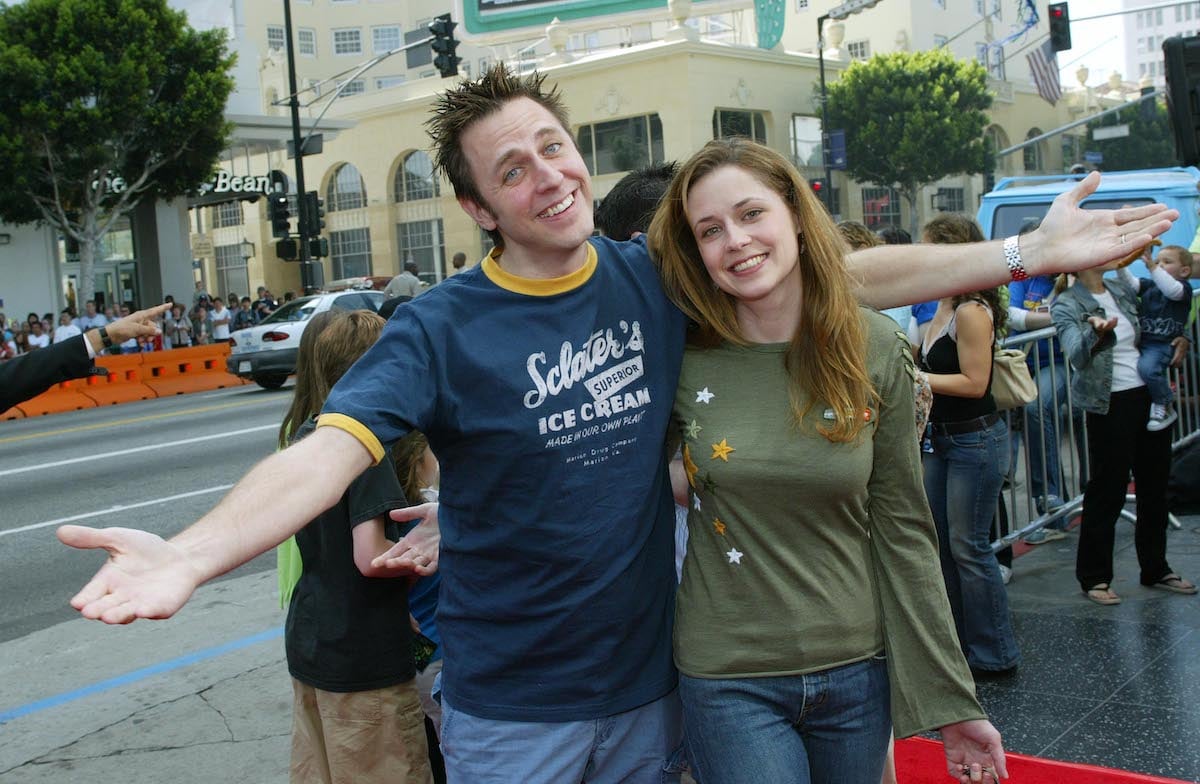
(346, 190)
(415, 178)
(1033, 153)
(998, 140)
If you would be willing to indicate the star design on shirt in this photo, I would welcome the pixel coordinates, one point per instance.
(708, 483)
(718, 526)
(703, 396)
(734, 556)
(722, 450)
(689, 467)
(696, 502)
(692, 430)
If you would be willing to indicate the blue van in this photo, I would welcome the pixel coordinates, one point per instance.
(1019, 199)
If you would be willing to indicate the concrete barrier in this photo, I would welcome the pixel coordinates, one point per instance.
(183, 370)
(122, 384)
(57, 399)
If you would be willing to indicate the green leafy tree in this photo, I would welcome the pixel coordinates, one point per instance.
(911, 118)
(1150, 142)
(106, 103)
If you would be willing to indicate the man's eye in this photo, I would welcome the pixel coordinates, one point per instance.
(553, 147)
(511, 174)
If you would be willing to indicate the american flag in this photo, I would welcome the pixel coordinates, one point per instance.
(1043, 64)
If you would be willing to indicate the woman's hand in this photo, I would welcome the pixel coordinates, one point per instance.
(1102, 326)
(974, 752)
(419, 549)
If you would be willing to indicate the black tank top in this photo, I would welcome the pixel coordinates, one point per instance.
(943, 358)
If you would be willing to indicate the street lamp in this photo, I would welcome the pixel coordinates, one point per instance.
(246, 249)
(838, 13)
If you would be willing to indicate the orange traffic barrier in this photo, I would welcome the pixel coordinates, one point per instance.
(58, 398)
(922, 761)
(123, 384)
(182, 370)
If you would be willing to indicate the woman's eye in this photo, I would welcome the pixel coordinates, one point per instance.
(511, 175)
(553, 147)
(710, 231)
(750, 214)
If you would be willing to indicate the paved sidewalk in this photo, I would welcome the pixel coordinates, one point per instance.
(205, 697)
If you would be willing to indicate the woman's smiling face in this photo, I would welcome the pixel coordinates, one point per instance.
(746, 233)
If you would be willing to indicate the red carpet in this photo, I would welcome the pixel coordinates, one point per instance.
(921, 761)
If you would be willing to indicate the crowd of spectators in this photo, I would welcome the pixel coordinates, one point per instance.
(209, 319)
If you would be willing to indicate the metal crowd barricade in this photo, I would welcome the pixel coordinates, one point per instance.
(1023, 512)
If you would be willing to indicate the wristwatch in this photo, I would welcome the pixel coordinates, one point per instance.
(1012, 257)
(105, 340)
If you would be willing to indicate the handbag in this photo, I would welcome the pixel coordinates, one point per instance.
(1012, 384)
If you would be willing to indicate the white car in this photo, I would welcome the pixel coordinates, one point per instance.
(267, 351)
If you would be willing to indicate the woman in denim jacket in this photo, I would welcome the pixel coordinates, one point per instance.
(1097, 321)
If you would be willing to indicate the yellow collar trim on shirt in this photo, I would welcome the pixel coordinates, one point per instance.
(538, 287)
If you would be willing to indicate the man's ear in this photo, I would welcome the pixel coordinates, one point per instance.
(478, 213)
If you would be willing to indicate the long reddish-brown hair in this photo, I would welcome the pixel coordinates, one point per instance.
(826, 357)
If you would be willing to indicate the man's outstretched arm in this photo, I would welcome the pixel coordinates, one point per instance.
(147, 577)
(1069, 239)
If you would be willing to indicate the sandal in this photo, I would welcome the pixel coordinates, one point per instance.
(1100, 593)
(1174, 583)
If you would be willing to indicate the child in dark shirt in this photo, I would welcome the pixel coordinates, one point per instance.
(357, 715)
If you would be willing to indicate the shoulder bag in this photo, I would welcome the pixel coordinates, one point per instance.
(1012, 385)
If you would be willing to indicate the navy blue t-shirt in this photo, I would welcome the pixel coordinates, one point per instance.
(1160, 318)
(547, 404)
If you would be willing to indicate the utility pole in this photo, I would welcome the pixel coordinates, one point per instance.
(311, 277)
(840, 12)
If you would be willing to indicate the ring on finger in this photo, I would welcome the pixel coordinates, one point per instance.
(1122, 239)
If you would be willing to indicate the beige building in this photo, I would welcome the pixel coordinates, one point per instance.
(631, 104)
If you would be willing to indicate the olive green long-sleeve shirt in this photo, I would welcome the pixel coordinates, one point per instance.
(805, 554)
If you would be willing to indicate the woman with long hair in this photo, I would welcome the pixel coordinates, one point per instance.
(356, 712)
(1098, 325)
(810, 618)
(966, 457)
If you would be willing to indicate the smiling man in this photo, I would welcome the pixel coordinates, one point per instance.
(543, 378)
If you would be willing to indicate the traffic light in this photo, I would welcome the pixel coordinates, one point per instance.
(443, 45)
(1181, 62)
(277, 213)
(287, 249)
(1148, 105)
(318, 248)
(1060, 26)
(314, 213)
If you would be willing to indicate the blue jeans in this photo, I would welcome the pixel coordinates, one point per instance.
(828, 727)
(641, 746)
(962, 481)
(1152, 365)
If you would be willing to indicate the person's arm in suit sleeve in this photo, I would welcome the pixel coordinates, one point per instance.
(31, 374)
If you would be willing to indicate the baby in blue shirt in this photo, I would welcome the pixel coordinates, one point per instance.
(1166, 300)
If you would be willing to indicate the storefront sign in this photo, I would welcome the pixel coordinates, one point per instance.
(226, 186)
